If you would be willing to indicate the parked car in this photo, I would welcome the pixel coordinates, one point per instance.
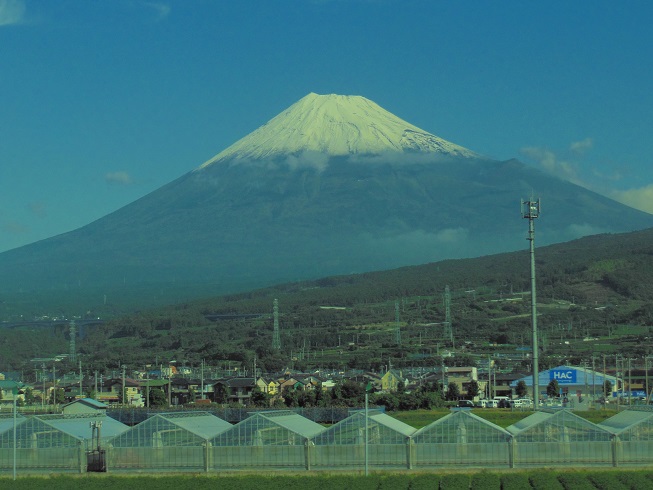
(465, 404)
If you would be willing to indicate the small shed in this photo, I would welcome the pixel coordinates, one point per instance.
(166, 441)
(265, 439)
(461, 438)
(559, 437)
(343, 444)
(84, 405)
(633, 432)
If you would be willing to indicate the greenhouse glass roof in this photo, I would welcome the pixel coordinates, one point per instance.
(625, 420)
(7, 421)
(34, 433)
(461, 426)
(629, 420)
(382, 428)
(79, 425)
(551, 426)
(269, 429)
(172, 429)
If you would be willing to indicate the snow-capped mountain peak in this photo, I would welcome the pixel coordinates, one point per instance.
(336, 125)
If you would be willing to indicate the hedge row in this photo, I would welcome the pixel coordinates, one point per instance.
(484, 480)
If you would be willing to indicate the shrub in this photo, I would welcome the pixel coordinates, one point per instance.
(486, 481)
(515, 481)
(425, 482)
(544, 480)
(607, 480)
(394, 482)
(575, 481)
(454, 481)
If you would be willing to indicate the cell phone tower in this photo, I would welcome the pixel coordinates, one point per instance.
(531, 210)
(73, 330)
(276, 338)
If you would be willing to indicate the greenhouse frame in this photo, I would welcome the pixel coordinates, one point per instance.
(633, 436)
(344, 444)
(283, 440)
(87, 426)
(166, 442)
(277, 439)
(559, 437)
(40, 446)
(461, 438)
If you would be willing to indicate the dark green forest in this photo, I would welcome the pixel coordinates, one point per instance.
(594, 297)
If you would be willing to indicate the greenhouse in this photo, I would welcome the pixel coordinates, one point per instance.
(633, 432)
(559, 437)
(343, 444)
(265, 439)
(461, 438)
(40, 446)
(93, 428)
(167, 441)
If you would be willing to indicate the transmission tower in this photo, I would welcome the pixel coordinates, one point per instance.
(448, 330)
(72, 355)
(276, 338)
(397, 327)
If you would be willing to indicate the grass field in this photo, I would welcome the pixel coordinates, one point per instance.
(507, 480)
(501, 417)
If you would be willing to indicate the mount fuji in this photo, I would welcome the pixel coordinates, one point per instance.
(332, 185)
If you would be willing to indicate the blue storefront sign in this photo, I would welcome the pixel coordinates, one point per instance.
(563, 376)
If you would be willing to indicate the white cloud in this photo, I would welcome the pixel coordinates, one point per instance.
(11, 12)
(308, 159)
(120, 178)
(641, 198)
(582, 146)
(551, 163)
(162, 10)
(38, 209)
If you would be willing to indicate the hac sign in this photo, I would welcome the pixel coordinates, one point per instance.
(563, 376)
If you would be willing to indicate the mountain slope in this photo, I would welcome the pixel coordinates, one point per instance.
(240, 222)
(336, 125)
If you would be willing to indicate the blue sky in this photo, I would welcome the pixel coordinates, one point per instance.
(102, 102)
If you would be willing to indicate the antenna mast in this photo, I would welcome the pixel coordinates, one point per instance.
(531, 210)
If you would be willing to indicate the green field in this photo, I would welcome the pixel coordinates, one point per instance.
(505, 480)
(501, 417)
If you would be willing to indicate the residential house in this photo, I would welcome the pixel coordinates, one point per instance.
(391, 379)
(235, 390)
(462, 376)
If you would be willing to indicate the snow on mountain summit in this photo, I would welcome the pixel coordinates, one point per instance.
(336, 125)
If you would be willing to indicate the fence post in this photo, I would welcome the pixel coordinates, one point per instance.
(307, 454)
(410, 450)
(82, 456)
(616, 443)
(207, 456)
(512, 443)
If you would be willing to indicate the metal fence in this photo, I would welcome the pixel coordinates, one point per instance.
(280, 441)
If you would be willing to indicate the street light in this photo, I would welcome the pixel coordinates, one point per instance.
(531, 210)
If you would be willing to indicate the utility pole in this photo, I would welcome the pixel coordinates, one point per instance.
(123, 395)
(531, 210)
(81, 379)
(448, 329)
(276, 337)
(397, 327)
